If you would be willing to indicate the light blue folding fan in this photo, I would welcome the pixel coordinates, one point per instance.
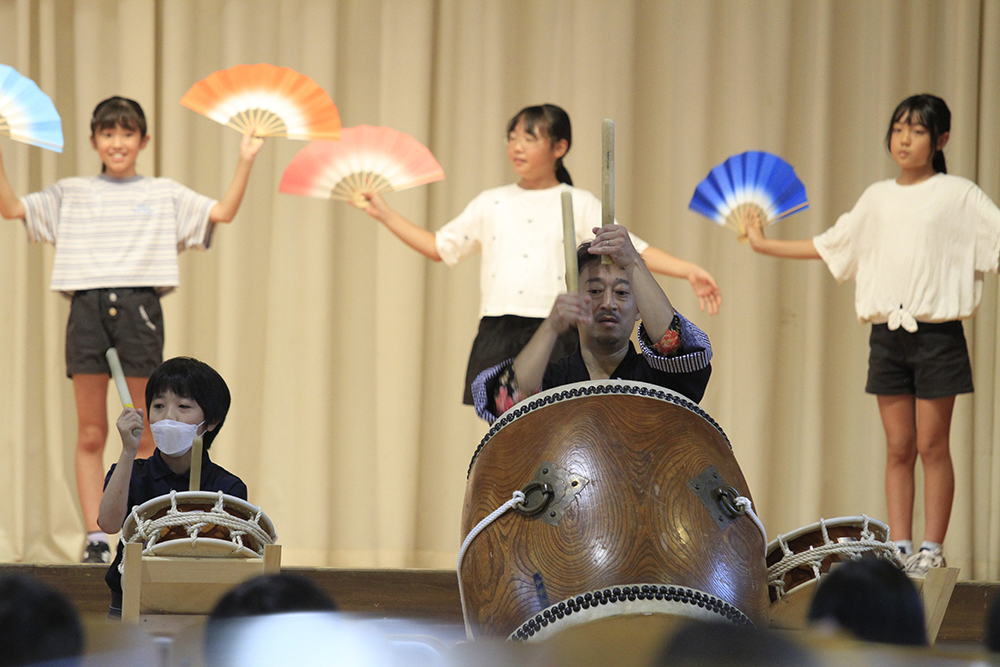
(751, 184)
(26, 113)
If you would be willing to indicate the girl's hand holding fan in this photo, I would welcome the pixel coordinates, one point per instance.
(752, 188)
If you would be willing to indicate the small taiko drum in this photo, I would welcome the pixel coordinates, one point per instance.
(201, 524)
(628, 508)
(797, 560)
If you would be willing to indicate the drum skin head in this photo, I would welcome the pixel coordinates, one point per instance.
(636, 520)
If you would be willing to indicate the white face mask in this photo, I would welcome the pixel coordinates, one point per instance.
(173, 438)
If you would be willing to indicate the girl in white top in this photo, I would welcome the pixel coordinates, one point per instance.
(917, 247)
(117, 236)
(518, 229)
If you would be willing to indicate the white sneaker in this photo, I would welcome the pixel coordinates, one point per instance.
(918, 564)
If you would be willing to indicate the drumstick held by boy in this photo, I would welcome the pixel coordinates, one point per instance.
(185, 398)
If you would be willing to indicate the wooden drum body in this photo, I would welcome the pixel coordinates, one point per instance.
(629, 478)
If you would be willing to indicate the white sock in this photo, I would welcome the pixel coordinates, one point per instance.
(905, 547)
(930, 546)
(97, 536)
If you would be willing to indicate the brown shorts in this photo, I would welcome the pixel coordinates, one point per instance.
(126, 318)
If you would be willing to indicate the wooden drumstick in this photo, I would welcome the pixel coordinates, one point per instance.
(194, 482)
(119, 376)
(608, 178)
(569, 243)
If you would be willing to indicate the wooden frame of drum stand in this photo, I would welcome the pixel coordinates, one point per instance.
(181, 585)
(935, 590)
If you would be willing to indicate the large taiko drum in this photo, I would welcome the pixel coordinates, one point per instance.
(629, 508)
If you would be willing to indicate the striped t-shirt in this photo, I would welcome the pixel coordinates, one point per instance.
(112, 232)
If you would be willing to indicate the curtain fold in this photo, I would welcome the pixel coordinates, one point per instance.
(345, 351)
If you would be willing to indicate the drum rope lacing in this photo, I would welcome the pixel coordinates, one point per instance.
(744, 503)
(194, 521)
(814, 556)
(516, 499)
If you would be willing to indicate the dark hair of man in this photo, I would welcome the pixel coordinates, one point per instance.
(584, 258)
(554, 122)
(190, 378)
(38, 624)
(873, 600)
(932, 113)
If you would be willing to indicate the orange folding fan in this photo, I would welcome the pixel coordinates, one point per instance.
(366, 160)
(272, 101)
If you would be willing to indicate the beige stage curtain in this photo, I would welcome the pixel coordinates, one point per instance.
(346, 351)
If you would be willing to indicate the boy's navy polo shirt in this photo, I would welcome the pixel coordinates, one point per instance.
(152, 478)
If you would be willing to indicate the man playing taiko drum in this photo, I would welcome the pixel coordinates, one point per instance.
(611, 299)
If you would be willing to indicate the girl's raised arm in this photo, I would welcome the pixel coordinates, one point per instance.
(417, 238)
(225, 210)
(11, 207)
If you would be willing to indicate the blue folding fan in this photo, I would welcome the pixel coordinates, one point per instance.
(26, 113)
(755, 184)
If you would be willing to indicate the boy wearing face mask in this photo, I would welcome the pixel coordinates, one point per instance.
(185, 397)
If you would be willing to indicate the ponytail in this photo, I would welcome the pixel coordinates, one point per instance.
(938, 162)
(562, 174)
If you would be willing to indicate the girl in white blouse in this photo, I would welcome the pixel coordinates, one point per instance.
(917, 247)
(518, 230)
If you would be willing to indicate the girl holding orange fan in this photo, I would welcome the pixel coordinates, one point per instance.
(117, 235)
(518, 228)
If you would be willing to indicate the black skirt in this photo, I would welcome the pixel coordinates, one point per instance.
(501, 338)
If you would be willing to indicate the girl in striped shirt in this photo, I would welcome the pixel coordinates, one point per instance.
(117, 236)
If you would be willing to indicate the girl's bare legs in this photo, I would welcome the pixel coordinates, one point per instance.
(933, 430)
(900, 424)
(91, 391)
(915, 426)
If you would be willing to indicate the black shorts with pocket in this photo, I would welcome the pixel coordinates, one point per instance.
(126, 318)
(931, 363)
